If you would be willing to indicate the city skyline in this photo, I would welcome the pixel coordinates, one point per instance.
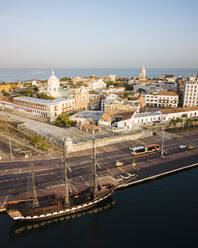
(98, 34)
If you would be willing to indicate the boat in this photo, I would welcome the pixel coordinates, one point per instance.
(39, 208)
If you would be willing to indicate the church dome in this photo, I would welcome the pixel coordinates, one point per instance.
(53, 81)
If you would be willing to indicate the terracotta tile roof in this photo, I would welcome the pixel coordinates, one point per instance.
(90, 126)
(178, 110)
(167, 93)
(125, 116)
(106, 117)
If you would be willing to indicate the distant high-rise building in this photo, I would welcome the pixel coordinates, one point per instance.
(142, 75)
(190, 94)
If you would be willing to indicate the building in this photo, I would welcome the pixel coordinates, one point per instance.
(162, 99)
(122, 121)
(95, 101)
(53, 86)
(39, 108)
(81, 98)
(114, 103)
(142, 75)
(106, 120)
(111, 78)
(169, 114)
(113, 90)
(146, 118)
(87, 116)
(95, 84)
(190, 93)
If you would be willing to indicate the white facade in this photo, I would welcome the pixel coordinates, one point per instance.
(113, 90)
(126, 124)
(168, 115)
(147, 118)
(190, 95)
(53, 86)
(162, 99)
(96, 84)
(109, 99)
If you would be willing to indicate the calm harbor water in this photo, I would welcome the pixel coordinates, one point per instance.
(13, 75)
(162, 213)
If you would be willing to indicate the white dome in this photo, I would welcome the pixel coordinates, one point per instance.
(53, 81)
(53, 85)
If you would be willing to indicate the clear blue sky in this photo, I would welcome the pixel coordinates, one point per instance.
(98, 33)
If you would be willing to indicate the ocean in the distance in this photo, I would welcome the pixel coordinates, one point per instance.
(13, 75)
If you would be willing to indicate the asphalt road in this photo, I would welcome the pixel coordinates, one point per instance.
(15, 176)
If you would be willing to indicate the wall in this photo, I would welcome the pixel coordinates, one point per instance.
(88, 144)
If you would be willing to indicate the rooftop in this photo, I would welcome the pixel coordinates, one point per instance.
(89, 114)
(38, 100)
(178, 110)
(148, 114)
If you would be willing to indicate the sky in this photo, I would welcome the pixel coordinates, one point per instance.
(98, 33)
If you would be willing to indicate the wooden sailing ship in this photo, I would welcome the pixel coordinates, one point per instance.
(51, 206)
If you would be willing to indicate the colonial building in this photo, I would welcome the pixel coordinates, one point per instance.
(121, 121)
(53, 86)
(87, 116)
(117, 104)
(162, 99)
(95, 84)
(39, 108)
(169, 114)
(81, 98)
(190, 93)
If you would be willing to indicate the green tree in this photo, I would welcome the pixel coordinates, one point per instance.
(65, 79)
(5, 93)
(35, 140)
(64, 121)
(42, 95)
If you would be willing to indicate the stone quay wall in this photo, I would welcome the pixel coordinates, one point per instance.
(71, 147)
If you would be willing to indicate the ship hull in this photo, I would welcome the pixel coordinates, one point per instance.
(18, 215)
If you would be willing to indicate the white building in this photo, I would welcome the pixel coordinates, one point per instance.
(95, 84)
(190, 94)
(113, 90)
(162, 99)
(53, 86)
(108, 100)
(169, 114)
(147, 118)
(40, 108)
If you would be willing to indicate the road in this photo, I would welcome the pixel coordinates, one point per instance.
(15, 176)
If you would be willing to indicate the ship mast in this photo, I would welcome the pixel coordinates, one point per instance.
(67, 203)
(94, 168)
(35, 198)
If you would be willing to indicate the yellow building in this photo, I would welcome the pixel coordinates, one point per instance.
(81, 98)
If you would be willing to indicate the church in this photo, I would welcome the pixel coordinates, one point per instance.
(53, 86)
(142, 75)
